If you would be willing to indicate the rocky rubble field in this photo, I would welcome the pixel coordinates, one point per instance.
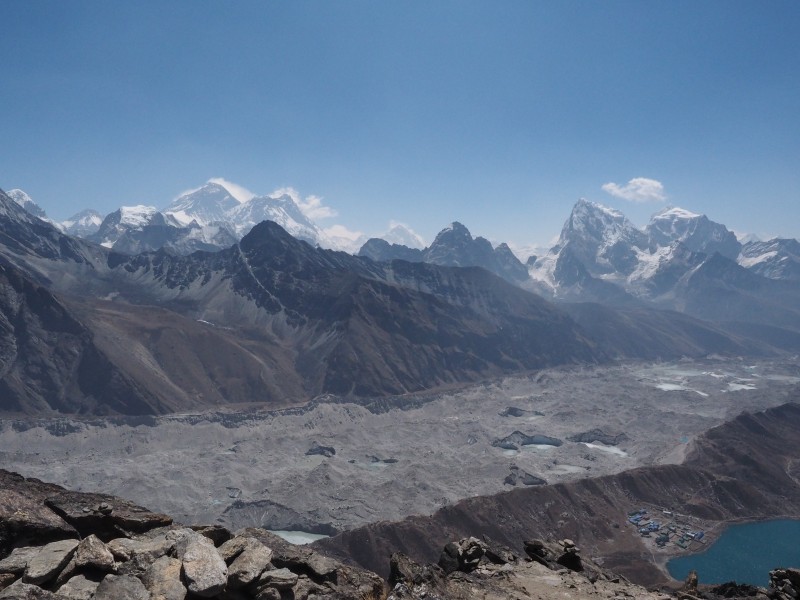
(336, 465)
(61, 545)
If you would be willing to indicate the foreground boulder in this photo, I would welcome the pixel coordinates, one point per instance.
(33, 513)
(205, 572)
(177, 563)
(163, 579)
(49, 561)
(130, 553)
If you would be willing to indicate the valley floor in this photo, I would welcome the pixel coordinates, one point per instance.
(396, 457)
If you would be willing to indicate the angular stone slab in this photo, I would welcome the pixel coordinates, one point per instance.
(94, 554)
(25, 591)
(299, 559)
(121, 587)
(17, 561)
(24, 518)
(203, 568)
(144, 551)
(163, 579)
(78, 588)
(280, 579)
(106, 516)
(251, 563)
(49, 561)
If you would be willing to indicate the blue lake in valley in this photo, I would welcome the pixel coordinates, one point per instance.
(744, 553)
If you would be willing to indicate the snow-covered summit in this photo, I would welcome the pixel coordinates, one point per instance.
(207, 204)
(26, 202)
(82, 224)
(696, 231)
(280, 209)
(594, 224)
(402, 234)
(674, 212)
(136, 216)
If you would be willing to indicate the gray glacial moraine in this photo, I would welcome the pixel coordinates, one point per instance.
(186, 465)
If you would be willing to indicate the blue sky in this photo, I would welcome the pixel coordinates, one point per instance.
(496, 114)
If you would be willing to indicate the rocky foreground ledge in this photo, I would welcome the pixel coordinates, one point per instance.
(57, 544)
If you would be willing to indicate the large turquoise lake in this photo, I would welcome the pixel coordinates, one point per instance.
(744, 553)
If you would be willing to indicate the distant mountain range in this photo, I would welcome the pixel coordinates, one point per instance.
(601, 240)
(207, 218)
(127, 321)
(270, 321)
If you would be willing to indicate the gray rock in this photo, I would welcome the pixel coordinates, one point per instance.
(94, 554)
(280, 579)
(121, 587)
(326, 451)
(203, 568)
(107, 515)
(307, 561)
(216, 533)
(267, 593)
(17, 561)
(163, 579)
(246, 568)
(6, 579)
(471, 550)
(305, 588)
(66, 573)
(233, 548)
(25, 591)
(49, 561)
(448, 559)
(78, 588)
(144, 551)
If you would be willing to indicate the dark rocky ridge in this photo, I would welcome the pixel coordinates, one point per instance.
(454, 246)
(289, 320)
(274, 322)
(745, 467)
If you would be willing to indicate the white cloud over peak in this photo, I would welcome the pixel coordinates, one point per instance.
(340, 231)
(242, 194)
(339, 237)
(638, 189)
(311, 206)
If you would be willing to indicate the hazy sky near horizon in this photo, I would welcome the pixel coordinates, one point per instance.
(496, 114)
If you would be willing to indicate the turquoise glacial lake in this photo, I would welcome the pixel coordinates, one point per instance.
(743, 553)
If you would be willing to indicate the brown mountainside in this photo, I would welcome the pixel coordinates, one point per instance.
(740, 470)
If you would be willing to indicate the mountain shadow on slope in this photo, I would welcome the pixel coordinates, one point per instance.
(49, 362)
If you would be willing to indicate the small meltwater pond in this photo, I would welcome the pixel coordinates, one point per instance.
(298, 537)
(538, 447)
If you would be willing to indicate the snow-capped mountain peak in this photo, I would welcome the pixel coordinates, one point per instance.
(696, 231)
(205, 205)
(82, 224)
(136, 216)
(402, 234)
(281, 209)
(675, 212)
(26, 202)
(590, 221)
